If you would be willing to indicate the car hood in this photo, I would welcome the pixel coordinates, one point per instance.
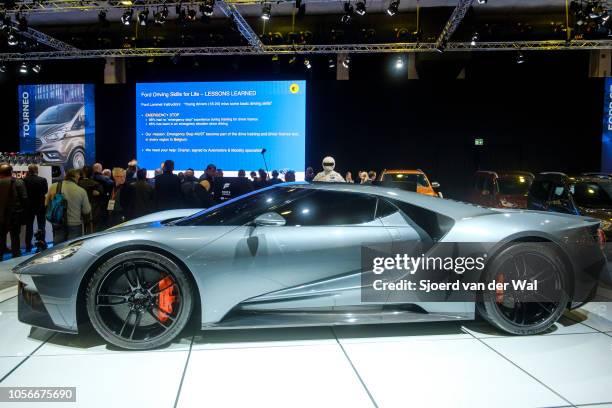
(43, 130)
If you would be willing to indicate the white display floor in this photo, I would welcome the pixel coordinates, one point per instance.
(405, 365)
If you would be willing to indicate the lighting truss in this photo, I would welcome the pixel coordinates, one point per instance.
(245, 29)
(43, 38)
(310, 49)
(453, 22)
(55, 6)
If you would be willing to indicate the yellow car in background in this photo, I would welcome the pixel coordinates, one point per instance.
(411, 180)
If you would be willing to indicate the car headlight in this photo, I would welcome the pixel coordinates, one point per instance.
(55, 135)
(56, 255)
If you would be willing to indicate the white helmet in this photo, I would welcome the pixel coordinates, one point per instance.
(329, 163)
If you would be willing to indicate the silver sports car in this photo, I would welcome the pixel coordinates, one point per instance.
(294, 255)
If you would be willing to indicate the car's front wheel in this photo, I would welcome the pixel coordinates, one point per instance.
(518, 311)
(139, 300)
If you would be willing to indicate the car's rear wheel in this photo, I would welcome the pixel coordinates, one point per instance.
(519, 312)
(139, 300)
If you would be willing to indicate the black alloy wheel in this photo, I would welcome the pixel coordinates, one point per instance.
(519, 311)
(139, 300)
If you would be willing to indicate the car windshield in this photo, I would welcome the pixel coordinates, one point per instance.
(593, 194)
(405, 181)
(58, 114)
(515, 184)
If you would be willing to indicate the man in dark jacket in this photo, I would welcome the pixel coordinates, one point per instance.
(13, 201)
(167, 189)
(188, 189)
(140, 196)
(36, 188)
(95, 194)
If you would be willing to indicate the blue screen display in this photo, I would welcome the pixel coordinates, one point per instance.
(606, 137)
(225, 123)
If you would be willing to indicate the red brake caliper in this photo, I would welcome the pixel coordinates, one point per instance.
(166, 298)
(499, 293)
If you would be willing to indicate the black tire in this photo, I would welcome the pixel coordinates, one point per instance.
(76, 159)
(526, 317)
(123, 300)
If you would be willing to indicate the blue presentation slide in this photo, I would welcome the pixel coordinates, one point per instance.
(225, 123)
(606, 137)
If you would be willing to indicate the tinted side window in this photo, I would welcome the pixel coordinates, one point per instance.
(329, 208)
(539, 189)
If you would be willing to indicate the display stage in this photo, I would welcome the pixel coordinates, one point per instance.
(443, 364)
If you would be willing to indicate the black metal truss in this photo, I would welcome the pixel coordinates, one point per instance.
(453, 22)
(311, 49)
(45, 39)
(245, 29)
(55, 6)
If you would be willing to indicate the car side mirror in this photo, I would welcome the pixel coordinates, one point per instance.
(269, 219)
(435, 184)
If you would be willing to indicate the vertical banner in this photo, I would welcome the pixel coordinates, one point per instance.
(606, 137)
(58, 122)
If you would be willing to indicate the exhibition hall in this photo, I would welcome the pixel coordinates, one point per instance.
(306, 203)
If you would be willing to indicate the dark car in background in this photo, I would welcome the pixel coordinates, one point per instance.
(588, 195)
(508, 189)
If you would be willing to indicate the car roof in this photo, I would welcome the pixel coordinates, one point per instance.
(401, 171)
(450, 208)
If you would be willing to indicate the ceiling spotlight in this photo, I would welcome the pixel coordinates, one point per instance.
(520, 58)
(292, 60)
(143, 17)
(5, 23)
(482, 1)
(102, 17)
(360, 7)
(348, 13)
(307, 63)
(266, 11)
(126, 18)
(23, 69)
(12, 40)
(393, 8)
(346, 63)
(331, 62)
(399, 63)
(22, 23)
(2, 68)
(191, 14)
(36, 68)
(475, 38)
(208, 8)
(160, 17)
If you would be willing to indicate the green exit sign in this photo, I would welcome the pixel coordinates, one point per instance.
(478, 142)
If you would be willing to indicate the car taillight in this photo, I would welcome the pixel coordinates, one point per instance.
(601, 238)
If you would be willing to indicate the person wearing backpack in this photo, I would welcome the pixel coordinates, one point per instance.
(13, 202)
(67, 207)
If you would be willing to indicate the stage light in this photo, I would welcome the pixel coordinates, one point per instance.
(208, 8)
(12, 40)
(331, 62)
(307, 63)
(2, 68)
(5, 23)
(482, 1)
(346, 63)
(266, 11)
(520, 58)
(22, 23)
(348, 13)
(399, 63)
(292, 60)
(191, 14)
(393, 7)
(360, 7)
(102, 17)
(160, 17)
(23, 69)
(126, 18)
(475, 38)
(143, 17)
(36, 68)
(126, 2)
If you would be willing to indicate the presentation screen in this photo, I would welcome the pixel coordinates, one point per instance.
(224, 123)
(606, 137)
(58, 121)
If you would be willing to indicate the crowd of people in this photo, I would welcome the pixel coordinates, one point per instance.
(97, 198)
